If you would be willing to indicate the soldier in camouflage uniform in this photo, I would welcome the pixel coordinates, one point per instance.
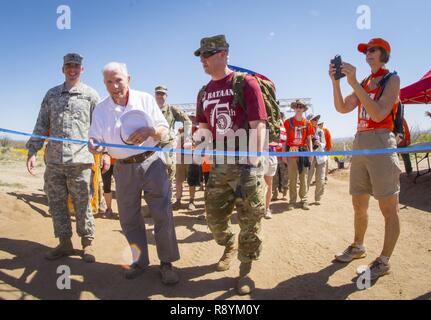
(240, 184)
(66, 113)
(172, 114)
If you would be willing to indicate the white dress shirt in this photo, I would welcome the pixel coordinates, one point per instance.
(105, 126)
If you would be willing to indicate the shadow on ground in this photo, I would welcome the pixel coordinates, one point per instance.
(416, 195)
(31, 200)
(99, 280)
(38, 278)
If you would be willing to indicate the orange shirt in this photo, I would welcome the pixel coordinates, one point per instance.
(365, 123)
(328, 139)
(406, 140)
(297, 136)
(206, 165)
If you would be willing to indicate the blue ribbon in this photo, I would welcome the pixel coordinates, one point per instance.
(414, 149)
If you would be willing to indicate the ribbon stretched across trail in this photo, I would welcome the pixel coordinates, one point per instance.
(414, 149)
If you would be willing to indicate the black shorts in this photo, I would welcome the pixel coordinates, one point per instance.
(194, 176)
(107, 180)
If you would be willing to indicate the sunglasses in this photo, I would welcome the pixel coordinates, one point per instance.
(371, 50)
(299, 106)
(207, 54)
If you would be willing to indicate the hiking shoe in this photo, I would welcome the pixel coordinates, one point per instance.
(268, 214)
(285, 193)
(109, 214)
(274, 197)
(290, 207)
(134, 271)
(351, 253)
(317, 203)
(226, 259)
(377, 269)
(169, 276)
(88, 254)
(177, 205)
(304, 206)
(245, 283)
(64, 249)
(191, 206)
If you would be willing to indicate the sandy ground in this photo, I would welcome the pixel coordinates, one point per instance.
(296, 261)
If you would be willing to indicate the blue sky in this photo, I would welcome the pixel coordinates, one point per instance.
(291, 42)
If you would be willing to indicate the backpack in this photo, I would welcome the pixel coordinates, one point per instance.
(269, 98)
(397, 117)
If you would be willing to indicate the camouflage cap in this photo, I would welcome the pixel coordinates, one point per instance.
(72, 58)
(299, 102)
(212, 44)
(161, 88)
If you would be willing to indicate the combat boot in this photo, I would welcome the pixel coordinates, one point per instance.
(88, 254)
(65, 248)
(274, 195)
(285, 190)
(226, 259)
(245, 283)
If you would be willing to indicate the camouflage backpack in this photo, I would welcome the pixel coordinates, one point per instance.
(271, 104)
(268, 93)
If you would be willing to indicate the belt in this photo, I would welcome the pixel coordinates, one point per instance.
(138, 158)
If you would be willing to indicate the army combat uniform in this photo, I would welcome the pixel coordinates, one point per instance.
(230, 185)
(67, 114)
(241, 186)
(173, 114)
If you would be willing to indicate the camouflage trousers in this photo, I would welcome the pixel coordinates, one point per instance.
(76, 180)
(280, 183)
(241, 186)
(171, 165)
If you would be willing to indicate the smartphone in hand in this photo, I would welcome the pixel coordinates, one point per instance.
(337, 63)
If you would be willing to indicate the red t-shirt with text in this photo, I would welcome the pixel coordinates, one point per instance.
(217, 110)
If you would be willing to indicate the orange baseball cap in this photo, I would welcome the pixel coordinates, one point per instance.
(376, 42)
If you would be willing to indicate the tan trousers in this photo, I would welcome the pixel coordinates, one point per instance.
(320, 178)
(292, 169)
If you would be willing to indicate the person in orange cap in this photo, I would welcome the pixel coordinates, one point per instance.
(376, 175)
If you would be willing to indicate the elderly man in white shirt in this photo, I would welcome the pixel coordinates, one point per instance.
(136, 171)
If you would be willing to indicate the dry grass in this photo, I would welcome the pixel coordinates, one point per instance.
(12, 185)
(11, 154)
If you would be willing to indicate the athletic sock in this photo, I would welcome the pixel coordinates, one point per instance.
(384, 259)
